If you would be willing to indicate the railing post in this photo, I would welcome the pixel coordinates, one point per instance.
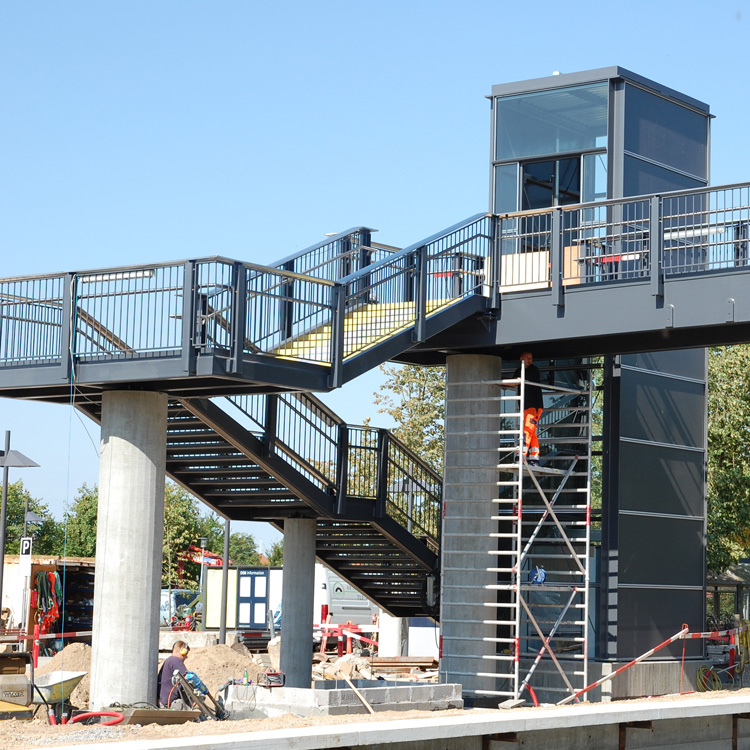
(495, 251)
(68, 325)
(188, 317)
(656, 247)
(342, 469)
(338, 316)
(345, 258)
(420, 304)
(365, 258)
(381, 496)
(271, 420)
(286, 324)
(556, 259)
(239, 316)
(457, 279)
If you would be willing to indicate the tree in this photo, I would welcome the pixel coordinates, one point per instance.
(415, 398)
(80, 521)
(276, 554)
(183, 525)
(243, 549)
(728, 455)
(48, 536)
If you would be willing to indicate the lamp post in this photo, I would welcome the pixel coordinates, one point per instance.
(202, 584)
(8, 459)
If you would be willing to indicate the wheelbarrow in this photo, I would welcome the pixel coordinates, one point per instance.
(54, 689)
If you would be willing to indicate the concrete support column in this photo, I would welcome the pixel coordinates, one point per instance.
(393, 636)
(297, 594)
(129, 537)
(470, 484)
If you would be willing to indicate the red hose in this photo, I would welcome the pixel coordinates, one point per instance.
(117, 717)
(533, 696)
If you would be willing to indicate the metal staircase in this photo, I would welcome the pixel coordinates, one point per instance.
(271, 457)
(541, 548)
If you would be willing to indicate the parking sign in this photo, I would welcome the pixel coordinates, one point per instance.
(26, 556)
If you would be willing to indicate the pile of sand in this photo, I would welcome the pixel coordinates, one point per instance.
(213, 664)
(217, 664)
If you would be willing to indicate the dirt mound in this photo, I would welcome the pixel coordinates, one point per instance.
(213, 664)
(216, 664)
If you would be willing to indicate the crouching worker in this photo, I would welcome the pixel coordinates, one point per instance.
(168, 693)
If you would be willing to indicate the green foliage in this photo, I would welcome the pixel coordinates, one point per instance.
(183, 525)
(48, 536)
(81, 523)
(243, 549)
(415, 399)
(276, 554)
(728, 455)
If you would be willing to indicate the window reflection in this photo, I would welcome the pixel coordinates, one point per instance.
(552, 122)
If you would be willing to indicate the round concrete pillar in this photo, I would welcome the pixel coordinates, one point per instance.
(129, 536)
(297, 592)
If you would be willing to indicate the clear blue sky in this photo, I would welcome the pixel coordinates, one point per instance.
(140, 132)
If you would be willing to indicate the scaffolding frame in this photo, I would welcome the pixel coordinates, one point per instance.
(542, 546)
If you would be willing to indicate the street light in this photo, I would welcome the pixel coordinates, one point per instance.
(203, 542)
(17, 460)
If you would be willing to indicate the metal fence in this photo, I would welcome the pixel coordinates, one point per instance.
(338, 256)
(395, 293)
(345, 295)
(31, 320)
(647, 237)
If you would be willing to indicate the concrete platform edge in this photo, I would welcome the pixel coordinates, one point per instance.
(436, 727)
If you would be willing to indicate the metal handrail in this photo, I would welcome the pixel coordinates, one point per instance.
(411, 249)
(312, 423)
(320, 245)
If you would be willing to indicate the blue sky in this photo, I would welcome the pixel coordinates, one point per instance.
(140, 132)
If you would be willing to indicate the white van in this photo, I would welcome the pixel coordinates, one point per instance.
(345, 603)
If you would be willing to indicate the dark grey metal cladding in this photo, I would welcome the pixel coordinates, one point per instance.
(696, 311)
(654, 489)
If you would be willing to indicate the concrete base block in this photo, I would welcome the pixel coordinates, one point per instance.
(332, 698)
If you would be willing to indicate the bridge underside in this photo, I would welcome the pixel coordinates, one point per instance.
(617, 318)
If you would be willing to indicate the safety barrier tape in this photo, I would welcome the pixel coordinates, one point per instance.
(46, 636)
(718, 633)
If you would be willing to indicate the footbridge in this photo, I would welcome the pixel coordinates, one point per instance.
(238, 348)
